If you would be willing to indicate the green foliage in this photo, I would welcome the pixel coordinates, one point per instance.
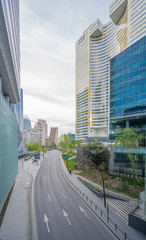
(34, 147)
(71, 163)
(53, 145)
(67, 144)
(96, 152)
(45, 149)
(104, 166)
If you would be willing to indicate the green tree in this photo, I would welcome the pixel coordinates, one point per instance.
(65, 142)
(53, 145)
(34, 146)
(98, 154)
(128, 138)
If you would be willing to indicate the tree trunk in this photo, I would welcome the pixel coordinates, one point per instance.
(103, 188)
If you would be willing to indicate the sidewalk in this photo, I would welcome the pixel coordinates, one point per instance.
(17, 220)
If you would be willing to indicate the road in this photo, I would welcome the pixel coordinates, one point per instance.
(59, 213)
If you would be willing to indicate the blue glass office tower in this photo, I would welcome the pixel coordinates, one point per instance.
(9, 93)
(128, 89)
(128, 100)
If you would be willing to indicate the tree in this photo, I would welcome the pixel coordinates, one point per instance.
(98, 154)
(34, 146)
(67, 144)
(128, 138)
(64, 142)
(53, 145)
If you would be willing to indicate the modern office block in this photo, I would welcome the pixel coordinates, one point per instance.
(128, 89)
(98, 44)
(9, 93)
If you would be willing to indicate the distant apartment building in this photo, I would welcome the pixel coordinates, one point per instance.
(9, 94)
(37, 134)
(53, 136)
(26, 123)
(98, 44)
(26, 135)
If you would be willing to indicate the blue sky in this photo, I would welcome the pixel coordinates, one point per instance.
(49, 31)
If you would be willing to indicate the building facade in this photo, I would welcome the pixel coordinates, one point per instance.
(98, 44)
(53, 138)
(37, 134)
(9, 93)
(128, 89)
(128, 103)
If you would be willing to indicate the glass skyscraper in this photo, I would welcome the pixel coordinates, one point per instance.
(9, 93)
(98, 44)
(128, 89)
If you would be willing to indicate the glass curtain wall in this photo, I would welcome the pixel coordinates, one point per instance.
(8, 149)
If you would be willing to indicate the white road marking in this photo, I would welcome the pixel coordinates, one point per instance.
(63, 195)
(46, 220)
(82, 210)
(49, 197)
(66, 215)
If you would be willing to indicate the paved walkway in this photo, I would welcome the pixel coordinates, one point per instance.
(17, 220)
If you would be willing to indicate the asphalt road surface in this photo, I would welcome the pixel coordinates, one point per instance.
(59, 213)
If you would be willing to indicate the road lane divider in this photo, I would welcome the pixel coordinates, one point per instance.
(63, 195)
(49, 197)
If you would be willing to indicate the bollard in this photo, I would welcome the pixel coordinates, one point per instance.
(101, 212)
(87, 198)
(91, 202)
(125, 236)
(96, 207)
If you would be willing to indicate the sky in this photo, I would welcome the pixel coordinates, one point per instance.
(49, 30)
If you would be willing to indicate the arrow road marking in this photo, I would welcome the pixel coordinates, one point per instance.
(82, 210)
(49, 197)
(63, 195)
(46, 220)
(66, 215)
